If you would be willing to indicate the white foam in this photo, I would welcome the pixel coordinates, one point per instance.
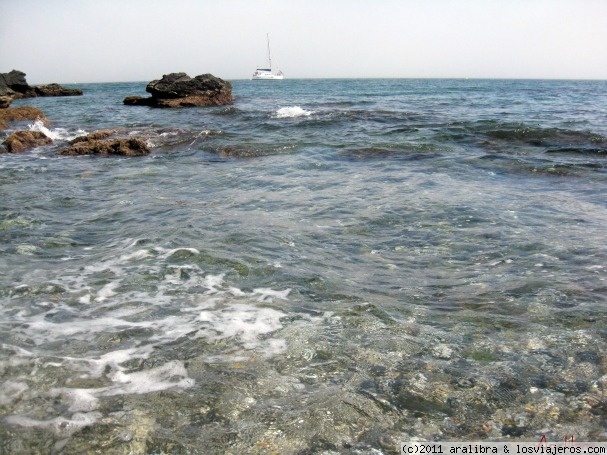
(81, 400)
(236, 292)
(291, 112)
(139, 254)
(17, 350)
(106, 291)
(245, 322)
(185, 303)
(113, 359)
(267, 294)
(61, 426)
(212, 281)
(169, 253)
(79, 329)
(56, 133)
(171, 374)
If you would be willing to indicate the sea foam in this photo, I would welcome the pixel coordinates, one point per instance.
(292, 111)
(185, 303)
(56, 134)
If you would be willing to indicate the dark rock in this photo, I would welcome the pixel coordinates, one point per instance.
(5, 89)
(14, 85)
(97, 144)
(16, 80)
(180, 85)
(24, 140)
(513, 431)
(180, 90)
(56, 90)
(12, 114)
(138, 101)
(588, 356)
(319, 445)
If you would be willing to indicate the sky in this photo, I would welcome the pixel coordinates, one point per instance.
(72, 41)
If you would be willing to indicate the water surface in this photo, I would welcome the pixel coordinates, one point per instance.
(325, 265)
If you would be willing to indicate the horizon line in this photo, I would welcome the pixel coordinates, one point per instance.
(463, 78)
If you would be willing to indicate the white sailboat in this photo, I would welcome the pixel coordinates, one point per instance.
(267, 74)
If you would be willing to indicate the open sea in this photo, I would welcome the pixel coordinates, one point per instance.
(324, 267)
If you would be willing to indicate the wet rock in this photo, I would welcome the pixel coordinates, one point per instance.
(13, 114)
(96, 135)
(464, 383)
(319, 445)
(588, 356)
(123, 147)
(420, 405)
(572, 387)
(138, 101)
(180, 90)
(20, 141)
(97, 144)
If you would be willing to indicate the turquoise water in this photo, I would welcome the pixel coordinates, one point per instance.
(326, 266)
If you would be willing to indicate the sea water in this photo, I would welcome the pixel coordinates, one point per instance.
(325, 266)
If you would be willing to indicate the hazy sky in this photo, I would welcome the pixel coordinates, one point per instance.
(139, 40)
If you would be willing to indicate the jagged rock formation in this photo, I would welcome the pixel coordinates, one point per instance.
(180, 90)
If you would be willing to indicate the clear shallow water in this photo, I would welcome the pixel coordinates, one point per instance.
(326, 265)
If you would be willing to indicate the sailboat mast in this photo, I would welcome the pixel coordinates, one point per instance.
(269, 55)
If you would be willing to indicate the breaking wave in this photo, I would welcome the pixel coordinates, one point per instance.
(56, 134)
(291, 112)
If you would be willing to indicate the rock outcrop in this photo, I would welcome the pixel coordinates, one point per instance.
(5, 101)
(25, 140)
(15, 86)
(13, 114)
(97, 143)
(56, 90)
(180, 90)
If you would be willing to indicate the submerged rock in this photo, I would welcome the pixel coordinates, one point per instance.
(180, 90)
(24, 140)
(97, 144)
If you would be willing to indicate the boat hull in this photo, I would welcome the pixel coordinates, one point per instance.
(267, 76)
